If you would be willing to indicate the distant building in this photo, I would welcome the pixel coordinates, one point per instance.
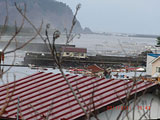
(74, 52)
(95, 70)
(153, 64)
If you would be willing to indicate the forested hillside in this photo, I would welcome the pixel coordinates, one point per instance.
(58, 14)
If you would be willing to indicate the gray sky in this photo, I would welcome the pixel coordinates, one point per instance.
(126, 16)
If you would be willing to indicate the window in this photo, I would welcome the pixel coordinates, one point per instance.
(82, 54)
(67, 53)
(76, 54)
(158, 69)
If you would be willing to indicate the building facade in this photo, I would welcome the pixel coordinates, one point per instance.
(74, 52)
(153, 62)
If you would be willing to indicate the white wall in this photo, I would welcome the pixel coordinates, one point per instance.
(149, 64)
(144, 102)
(154, 66)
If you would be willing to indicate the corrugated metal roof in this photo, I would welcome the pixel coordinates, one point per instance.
(45, 94)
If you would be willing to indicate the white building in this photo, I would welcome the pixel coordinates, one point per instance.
(74, 52)
(153, 64)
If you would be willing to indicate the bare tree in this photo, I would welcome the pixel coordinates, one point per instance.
(5, 51)
(58, 58)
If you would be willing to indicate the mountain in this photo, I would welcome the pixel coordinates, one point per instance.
(87, 30)
(57, 14)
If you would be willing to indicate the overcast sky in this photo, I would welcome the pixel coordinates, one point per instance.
(126, 16)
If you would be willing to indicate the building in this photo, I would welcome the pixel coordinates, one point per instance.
(74, 52)
(95, 70)
(153, 65)
(46, 94)
(156, 67)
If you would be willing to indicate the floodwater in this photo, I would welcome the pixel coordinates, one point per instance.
(102, 44)
(95, 44)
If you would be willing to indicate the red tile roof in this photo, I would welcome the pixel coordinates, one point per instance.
(47, 93)
(132, 69)
(73, 49)
(94, 68)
